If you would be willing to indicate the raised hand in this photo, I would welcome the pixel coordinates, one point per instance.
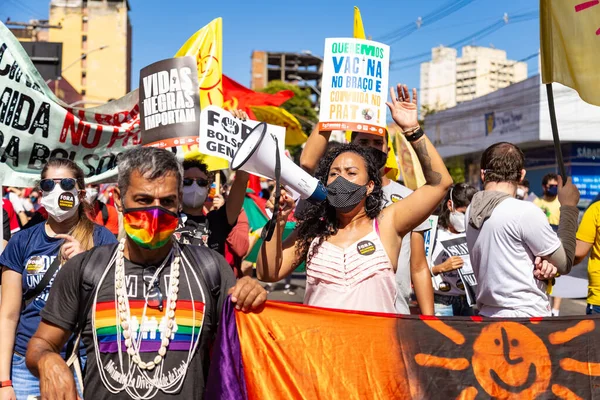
(568, 195)
(240, 114)
(403, 108)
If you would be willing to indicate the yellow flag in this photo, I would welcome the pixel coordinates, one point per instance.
(206, 46)
(294, 135)
(411, 170)
(359, 29)
(391, 164)
(570, 32)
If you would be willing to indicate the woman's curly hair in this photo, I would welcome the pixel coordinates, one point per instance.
(320, 220)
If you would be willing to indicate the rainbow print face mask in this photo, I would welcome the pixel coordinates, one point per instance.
(150, 227)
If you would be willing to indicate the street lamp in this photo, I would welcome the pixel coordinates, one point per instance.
(82, 57)
(299, 78)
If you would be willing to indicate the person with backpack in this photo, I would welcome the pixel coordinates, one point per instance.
(30, 262)
(146, 309)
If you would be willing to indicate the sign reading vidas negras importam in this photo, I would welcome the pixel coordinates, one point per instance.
(354, 85)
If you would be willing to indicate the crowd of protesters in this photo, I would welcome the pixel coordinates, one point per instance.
(364, 249)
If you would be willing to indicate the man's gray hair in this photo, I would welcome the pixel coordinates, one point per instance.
(151, 163)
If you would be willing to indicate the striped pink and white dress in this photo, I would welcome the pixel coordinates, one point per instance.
(359, 277)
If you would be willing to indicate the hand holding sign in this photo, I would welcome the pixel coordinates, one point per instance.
(403, 109)
(71, 247)
(451, 264)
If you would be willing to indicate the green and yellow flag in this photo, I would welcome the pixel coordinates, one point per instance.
(569, 36)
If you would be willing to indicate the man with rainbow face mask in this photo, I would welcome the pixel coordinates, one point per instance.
(155, 308)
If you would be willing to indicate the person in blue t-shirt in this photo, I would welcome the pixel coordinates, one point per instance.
(30, 255)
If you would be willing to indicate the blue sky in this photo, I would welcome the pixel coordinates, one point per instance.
(160, 27)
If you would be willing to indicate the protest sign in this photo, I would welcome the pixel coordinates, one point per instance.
(354, 86)
(429, 237)
(35, 125)
(170, 100)
(458, 247)
(221, 134)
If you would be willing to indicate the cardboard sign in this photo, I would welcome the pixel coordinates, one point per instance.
(221, 134)
(354, 86)
(458, 247)
(170, 103)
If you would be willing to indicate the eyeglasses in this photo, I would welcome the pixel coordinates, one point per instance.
(154, 297)
(48, 185)
(200, 181)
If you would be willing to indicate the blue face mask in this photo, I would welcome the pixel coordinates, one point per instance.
(552, 190)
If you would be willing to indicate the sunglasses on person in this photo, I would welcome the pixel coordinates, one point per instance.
(48, 185)
(200, 181)
(154, 299)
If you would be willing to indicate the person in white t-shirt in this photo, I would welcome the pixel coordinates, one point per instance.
(513, 249)
(449, 289)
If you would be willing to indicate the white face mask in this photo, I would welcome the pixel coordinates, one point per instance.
(91, 194)
(457, 220)
(61, 204)
(194, 196)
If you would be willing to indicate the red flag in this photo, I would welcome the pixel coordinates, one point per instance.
(237, 96)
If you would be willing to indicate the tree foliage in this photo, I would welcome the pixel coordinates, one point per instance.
(300, 105)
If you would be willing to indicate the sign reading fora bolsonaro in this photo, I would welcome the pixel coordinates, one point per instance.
(354, 86)
(221, 134)
(170, 102)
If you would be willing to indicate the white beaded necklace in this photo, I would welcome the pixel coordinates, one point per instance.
(124, 328)
(133, 348)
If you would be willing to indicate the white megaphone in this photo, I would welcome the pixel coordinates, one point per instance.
(256, 155)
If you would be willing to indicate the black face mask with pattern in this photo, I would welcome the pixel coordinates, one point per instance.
(343, 194)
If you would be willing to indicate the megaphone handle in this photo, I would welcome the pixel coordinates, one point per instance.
(267, 232)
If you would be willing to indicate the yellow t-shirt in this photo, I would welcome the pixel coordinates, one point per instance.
(589, 232)
(550, 208)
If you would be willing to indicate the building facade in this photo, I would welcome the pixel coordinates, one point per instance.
(448, 80)
(96, 38)
(519, 114)
(302, 69)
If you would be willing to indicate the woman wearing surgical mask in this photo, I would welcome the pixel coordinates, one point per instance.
(30, 262)
(212, 228)
(449, 290)
(350, 244)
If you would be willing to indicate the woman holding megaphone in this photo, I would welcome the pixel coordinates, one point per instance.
(349, 243)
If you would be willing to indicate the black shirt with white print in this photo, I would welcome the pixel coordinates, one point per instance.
(193, 316)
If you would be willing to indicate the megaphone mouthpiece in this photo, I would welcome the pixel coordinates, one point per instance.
(256, 155)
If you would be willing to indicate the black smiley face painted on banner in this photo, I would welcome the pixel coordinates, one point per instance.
(365, 248)
(66, 201)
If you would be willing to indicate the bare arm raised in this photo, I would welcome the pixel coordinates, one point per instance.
(414, 209)
(314, 149)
